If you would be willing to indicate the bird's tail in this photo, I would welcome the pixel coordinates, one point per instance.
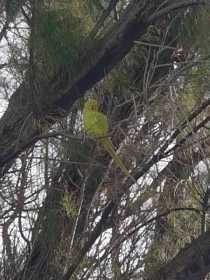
(108, 146)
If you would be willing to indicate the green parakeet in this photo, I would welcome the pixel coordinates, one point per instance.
(96, 125)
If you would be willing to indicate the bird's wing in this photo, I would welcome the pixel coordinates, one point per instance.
(95, 123)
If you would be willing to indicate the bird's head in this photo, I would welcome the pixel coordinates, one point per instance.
(91, 105)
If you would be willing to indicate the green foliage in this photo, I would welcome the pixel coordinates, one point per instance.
(153, 258)
(12, 8)
(190, 32)
(188, 99)
(69, 205)
(195, 86)
(94, 7)
(60, 36)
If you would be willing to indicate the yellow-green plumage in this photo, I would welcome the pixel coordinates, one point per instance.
(96, 125)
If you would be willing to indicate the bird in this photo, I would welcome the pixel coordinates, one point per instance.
(96, 126)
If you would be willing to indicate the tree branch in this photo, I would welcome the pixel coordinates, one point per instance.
(20, 123)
